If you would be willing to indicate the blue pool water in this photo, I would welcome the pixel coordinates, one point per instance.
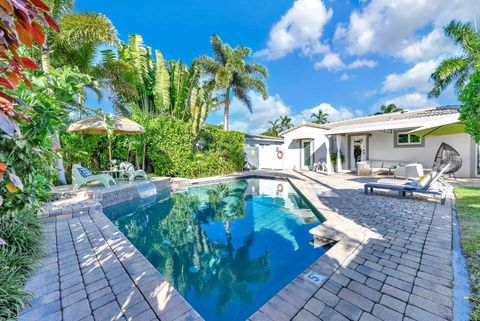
(227, 248)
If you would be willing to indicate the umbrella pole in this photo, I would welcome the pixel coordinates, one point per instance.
(110, 153)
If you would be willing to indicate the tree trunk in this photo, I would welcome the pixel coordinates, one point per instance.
(61, 179)
(227, 110)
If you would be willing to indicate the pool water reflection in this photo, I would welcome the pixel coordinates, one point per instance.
(227, 248)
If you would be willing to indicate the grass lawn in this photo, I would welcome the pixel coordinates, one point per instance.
(468, 206)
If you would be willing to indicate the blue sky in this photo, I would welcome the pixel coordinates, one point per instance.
(344, 57)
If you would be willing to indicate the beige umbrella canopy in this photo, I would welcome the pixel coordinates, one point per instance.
(108, 124)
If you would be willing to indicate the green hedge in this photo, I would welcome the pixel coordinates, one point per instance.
(169, 145)
(223, 152)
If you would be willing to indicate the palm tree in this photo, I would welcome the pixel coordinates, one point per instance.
(230, 73)
(320, 117)
(285, 123)
(457, 69)
(274, 128)
(390, 108)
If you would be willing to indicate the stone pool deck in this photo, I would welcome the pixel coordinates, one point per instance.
(393, 261)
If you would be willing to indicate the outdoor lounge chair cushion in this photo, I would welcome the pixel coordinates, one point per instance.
(423, 181)
(84, 171)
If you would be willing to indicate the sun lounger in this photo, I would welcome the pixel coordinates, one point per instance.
(82, 176)
(130, 172)
(420, 186)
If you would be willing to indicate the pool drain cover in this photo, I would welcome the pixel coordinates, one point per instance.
(314, 278)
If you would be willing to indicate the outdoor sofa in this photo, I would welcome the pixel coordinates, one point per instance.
(381, 167)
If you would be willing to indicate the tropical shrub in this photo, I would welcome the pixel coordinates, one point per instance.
(226, 146)
(169, 146)
(142, 85)
(470, 108)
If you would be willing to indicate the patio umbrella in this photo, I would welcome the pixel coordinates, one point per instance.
(110, 124)
(439, 130)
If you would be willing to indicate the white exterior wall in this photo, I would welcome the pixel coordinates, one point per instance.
(381, 147)
(268, 157)
(292, 148)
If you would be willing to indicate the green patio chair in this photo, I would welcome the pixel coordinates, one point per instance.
(130, 172)
(82, 176)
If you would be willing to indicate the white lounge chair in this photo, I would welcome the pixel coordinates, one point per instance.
(82, 176)
(420, 186)
(130, 172)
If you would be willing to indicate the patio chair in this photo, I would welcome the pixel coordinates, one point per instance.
(130, 172)
(82, 176)
(420, 186)
(364, 169)
(414, 170)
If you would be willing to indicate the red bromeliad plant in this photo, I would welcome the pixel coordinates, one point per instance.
(19, 24)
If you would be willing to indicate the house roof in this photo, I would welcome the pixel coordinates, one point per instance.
(402, 119)
(264, 138)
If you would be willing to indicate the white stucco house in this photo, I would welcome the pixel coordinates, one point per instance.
(380, 139)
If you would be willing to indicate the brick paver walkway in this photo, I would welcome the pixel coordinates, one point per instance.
(93, 273)
(405, 273)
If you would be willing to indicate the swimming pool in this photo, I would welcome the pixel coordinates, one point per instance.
(228, 247)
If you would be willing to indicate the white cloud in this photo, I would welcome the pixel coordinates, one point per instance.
(417, 77)
(432, 45)
(274, 107)
(330, 61)
(411, 101)
(334, 114)
(362, 63)
(263, 111)
(344, 76)
(300, 28)
(395, 27)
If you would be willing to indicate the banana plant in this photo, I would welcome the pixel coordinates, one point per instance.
(155, 86)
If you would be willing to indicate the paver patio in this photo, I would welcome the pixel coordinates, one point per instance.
(404, 273)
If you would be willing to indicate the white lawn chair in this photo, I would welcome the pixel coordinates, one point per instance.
(130, 173)
(82, 176)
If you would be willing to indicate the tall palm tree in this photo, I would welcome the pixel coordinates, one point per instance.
(458, 69)
(390, 108)
(231, 74)
(320, 117)
(285, 123)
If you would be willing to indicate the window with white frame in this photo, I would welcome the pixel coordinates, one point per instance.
(406, 139)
